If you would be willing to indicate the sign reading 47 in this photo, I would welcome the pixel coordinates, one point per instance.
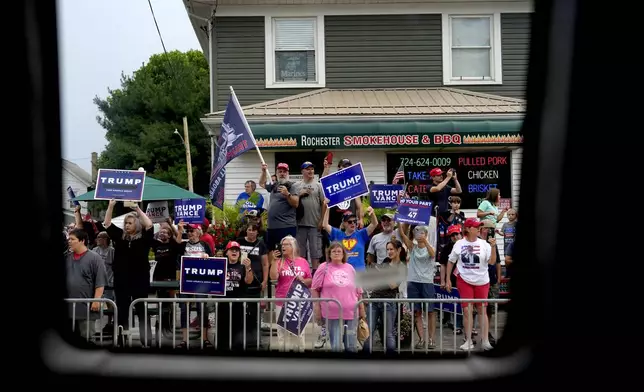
(415, 212)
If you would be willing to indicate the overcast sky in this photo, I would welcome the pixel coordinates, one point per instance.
(99, 39)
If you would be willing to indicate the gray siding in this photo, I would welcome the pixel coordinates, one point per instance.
(240, 62)
(363, 51)
(387, 51)
(515, 49)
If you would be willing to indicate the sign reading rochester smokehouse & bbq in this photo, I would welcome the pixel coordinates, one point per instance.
(476, 172)
(391, 141)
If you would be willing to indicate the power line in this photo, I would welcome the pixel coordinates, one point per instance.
(161, 38)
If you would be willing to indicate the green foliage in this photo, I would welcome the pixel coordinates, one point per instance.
(379, 211)
(141, 116)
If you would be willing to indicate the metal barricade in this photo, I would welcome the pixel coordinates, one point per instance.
(230, 304)
(399, 302)
(101, 314)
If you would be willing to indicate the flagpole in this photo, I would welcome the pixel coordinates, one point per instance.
(243, 117)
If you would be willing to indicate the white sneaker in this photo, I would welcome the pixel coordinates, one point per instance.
(467, 346)
(485, 345)
(319, 343)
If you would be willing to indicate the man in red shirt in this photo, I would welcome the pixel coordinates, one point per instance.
(206, 237)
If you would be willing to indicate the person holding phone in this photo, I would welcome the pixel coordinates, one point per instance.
(440, 191)
(287, 266)
(282, 207)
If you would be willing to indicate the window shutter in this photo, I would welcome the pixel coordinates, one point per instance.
(294, 34)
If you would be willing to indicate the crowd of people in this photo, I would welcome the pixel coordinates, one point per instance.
(322, 247)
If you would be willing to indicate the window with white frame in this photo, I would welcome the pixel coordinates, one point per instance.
(472, 49)
(294, 52)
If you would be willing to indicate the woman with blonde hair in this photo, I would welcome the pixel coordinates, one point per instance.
(286, 267)
(336, 279)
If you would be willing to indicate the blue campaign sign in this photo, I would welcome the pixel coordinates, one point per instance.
(295, 315)
(345, 184)
(384, 195)
(124, 185)
(443, 294)
(203, 275)
(189, 210)
(415, 212)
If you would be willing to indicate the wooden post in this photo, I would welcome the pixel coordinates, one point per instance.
(186, 139)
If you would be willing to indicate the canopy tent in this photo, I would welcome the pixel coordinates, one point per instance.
(154, 190)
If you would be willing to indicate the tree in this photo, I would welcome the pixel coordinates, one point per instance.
(141, 116)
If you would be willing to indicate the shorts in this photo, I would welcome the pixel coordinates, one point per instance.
(470, 291)
(493, 294)
(416, 290)
(275, 236)
(312, 237)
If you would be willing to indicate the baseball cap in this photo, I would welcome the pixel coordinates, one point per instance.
(233, 244)
(435, 172)
(388, 215)
(453, 229)
(251, 213)
(344, 162)
(472, 222)
(347, 216)
(194, 226)
(306, 165)
(282, 166)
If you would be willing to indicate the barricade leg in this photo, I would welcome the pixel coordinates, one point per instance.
(350, 338)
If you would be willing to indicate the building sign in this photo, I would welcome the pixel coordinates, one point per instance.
(327, 142)
(476, 172)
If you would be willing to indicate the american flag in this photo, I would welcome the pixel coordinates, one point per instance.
(400, 174)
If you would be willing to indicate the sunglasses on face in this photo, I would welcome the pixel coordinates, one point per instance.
(352, 222)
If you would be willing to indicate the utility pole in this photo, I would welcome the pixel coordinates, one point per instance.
(186, 143)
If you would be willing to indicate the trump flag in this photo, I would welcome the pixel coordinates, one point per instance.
(235, 138)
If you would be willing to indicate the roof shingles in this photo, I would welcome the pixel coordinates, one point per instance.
(385, 102)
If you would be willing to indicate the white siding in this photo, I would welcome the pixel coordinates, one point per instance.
(79, 188)
(247, 167)
(243, 168)
(374, 163)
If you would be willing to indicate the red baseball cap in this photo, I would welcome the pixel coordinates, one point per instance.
(194, 226)
(233, 244)
(472, 222)
(282, 166)
(453, 229)
(435, 172)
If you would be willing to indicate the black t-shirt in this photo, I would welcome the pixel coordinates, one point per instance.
(235, 285)
(131, 264)
(336, 213)
(440, 199)
(255, 252)
(166, 255)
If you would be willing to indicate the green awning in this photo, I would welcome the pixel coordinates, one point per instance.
(154, 190)
(388, 134)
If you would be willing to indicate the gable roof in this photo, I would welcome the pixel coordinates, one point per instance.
(77, 171)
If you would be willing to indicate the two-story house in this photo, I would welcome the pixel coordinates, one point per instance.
(79, 180)
(425, 83)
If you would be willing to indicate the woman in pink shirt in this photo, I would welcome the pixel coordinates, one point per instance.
(335, 279)
(286, 267)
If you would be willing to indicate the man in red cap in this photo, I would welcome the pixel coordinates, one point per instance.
(440, 191)
(282, 207)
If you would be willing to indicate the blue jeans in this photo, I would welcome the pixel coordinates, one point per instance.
(349, 339)
(184, 311)
(377, 316)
